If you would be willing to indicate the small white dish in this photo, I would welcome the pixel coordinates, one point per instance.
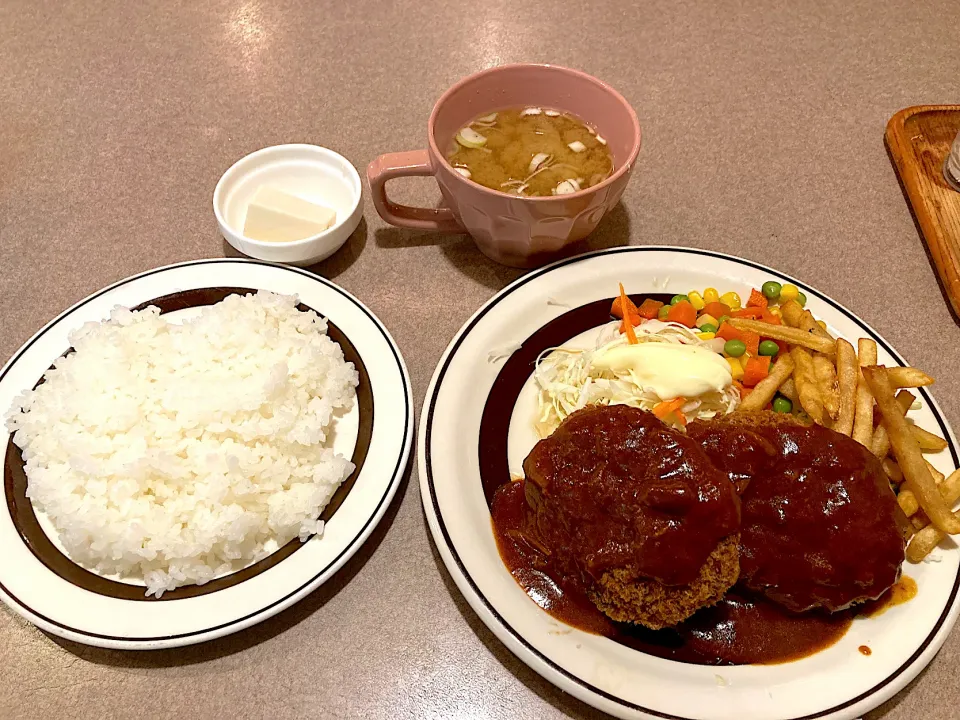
(311, 172)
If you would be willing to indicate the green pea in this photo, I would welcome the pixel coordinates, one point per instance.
(663, 312)
(769, 347)
(708, 327)
(677, 298)
(734, 348)
(782, 404)
(722, 320)
(801, 299)
(771, 289)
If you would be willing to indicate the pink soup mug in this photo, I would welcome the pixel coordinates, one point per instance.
(518, 231)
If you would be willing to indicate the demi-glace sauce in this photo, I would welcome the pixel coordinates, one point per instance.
(904, 590)
(815, 499)
(743, 628)
(740, 629)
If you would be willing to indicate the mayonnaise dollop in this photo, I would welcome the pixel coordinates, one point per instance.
(671, 370)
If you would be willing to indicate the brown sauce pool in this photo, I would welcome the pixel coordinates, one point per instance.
(741, 629)
(904, 590)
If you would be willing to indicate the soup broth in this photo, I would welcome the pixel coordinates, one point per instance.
(531, 151)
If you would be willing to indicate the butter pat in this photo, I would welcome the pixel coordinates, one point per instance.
(277, 216)
(671, 370)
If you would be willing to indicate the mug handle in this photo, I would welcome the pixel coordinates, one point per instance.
(407, 164)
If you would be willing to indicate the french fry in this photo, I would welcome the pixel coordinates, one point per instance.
(908, 502)
(923, 543)
(826, 376)
(949, 491)
(950, 488)
(809, 324)
(938, 476)
(908, 377)
(929, 537)
(905, 448)
(794, 336)
(796, 316)
(789, 390)
(791, 311)
(893, 470)
(880, 445)
(863, 416)
(847, 373)
(927, 440)
(767, 388)
(806, 382)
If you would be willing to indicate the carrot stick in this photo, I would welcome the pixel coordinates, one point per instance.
(661, 410)
(628, 327)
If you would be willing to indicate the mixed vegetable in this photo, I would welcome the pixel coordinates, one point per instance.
(749, 354)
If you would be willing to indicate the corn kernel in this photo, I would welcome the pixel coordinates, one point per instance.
(696, 299)
(774, 310)
(822, 324)
(706, 335)
(743, 360)
(711, 295)
(705, 319)
(736, 368)
(789, 292)
(731, 300)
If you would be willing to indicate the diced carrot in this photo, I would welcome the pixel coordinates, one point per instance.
(628, 327)
(634, 321)
(661, 410)
(750, 339)
(754, 313)
(649, 308)
(716, 309)
(681, 417)
(618, 303)
(784, 348)
(728, 332)
(769, 317)
(757, 299)
(683, 312)
(756, 369)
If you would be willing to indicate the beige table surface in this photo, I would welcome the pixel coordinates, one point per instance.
(763, 136)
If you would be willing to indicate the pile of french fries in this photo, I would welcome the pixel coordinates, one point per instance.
(838, 387)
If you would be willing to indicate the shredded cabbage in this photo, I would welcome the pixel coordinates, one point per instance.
(567, 380)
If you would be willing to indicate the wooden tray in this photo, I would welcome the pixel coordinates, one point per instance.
(918, 139)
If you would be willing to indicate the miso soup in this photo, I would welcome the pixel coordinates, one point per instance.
(531, 151)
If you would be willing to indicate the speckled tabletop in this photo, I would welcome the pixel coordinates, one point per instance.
(763, 137)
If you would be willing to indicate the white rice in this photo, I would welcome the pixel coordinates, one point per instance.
(176, 453)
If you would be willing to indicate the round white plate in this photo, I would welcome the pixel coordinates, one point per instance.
(838, 682)
(40, 583)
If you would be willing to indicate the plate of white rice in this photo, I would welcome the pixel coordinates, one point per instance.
(191, 450)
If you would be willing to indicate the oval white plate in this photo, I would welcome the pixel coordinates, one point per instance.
(838, 682)
(45, 598)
